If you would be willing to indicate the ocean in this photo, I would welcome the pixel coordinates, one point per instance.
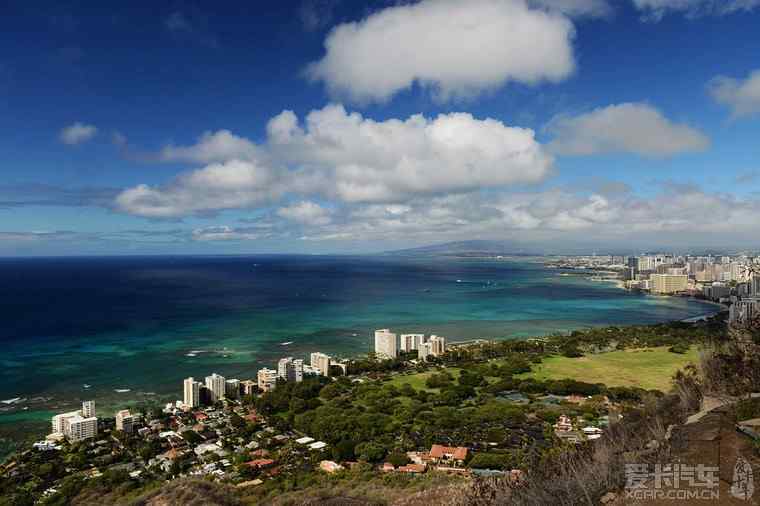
(126, 329)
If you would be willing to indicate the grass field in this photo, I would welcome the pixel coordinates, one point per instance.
(417, 380)
(650, 368)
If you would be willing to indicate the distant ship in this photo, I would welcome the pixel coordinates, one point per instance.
(286, 343)
(86, 386)
(122, 390)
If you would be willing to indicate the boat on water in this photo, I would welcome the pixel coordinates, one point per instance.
(286, 343)
(11, 401)
(86, 386)
(122, 390)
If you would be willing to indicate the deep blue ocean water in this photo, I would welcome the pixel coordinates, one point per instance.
(130, 322)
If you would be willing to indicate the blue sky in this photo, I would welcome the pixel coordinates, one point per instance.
(556, 124)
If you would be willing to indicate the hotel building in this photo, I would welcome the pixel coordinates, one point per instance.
(290, 369)
(409, 342)
(266, 379)
(191, 390)
(74, 425)
(216, 385)
(385, 344)
(232, 388)
(668, 283)
(125, 421)
(321, 362)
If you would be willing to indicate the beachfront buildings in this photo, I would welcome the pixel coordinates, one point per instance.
(248, 386)
(437, 345)
(424, 351)
(192, 392)
(668, 283)
(75, 426)
(232, 388)
(58, 421)
(125, 421)
(290, 369)
(266, 379)
(409, 342)
(321, 363)
(385, 344)
(216, 385)
(88, 409)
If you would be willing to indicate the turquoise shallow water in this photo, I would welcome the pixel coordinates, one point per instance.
(130, 323)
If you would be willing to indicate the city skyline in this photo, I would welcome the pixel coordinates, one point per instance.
(321, 127)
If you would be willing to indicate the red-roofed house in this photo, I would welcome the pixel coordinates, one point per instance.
(412, 468)
(448, 454)
(260, 463)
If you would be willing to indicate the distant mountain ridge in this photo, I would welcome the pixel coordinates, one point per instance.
(474, 248)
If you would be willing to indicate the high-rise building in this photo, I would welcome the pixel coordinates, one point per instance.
(423, 352)
(74, 425)
(266, 379)
(754, 286)
(321, 362)
(247, 386)
(217, 386)
(191, 391)
(385, 344)
(409, 342)
(125, 421)
(645, 263)
(88, 409)
(59, 421)
(80, 428)
(232, 388)
(290, 369)
(667, 283)
(437, 345)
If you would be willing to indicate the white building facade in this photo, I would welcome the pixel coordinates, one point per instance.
(191, 392)
(385, 344)
(216, 384)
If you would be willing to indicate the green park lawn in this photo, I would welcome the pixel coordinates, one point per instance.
(417, 380)
(650, 368)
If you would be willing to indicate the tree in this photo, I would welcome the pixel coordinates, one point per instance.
(407, 390)
(330, 391)
(371, 452)
(398, 458)
(344, 450)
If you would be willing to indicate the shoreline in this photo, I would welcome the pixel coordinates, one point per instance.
(620, 284)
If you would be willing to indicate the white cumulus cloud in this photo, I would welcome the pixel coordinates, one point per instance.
(345, 157)
(576, 8)
(230, 185)
(224, 233)
(306, 213)
(455, 48)
(655, 10)
(370, 161)
(77, 133)
(623, 128)
(742, 96)
(211, 147)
